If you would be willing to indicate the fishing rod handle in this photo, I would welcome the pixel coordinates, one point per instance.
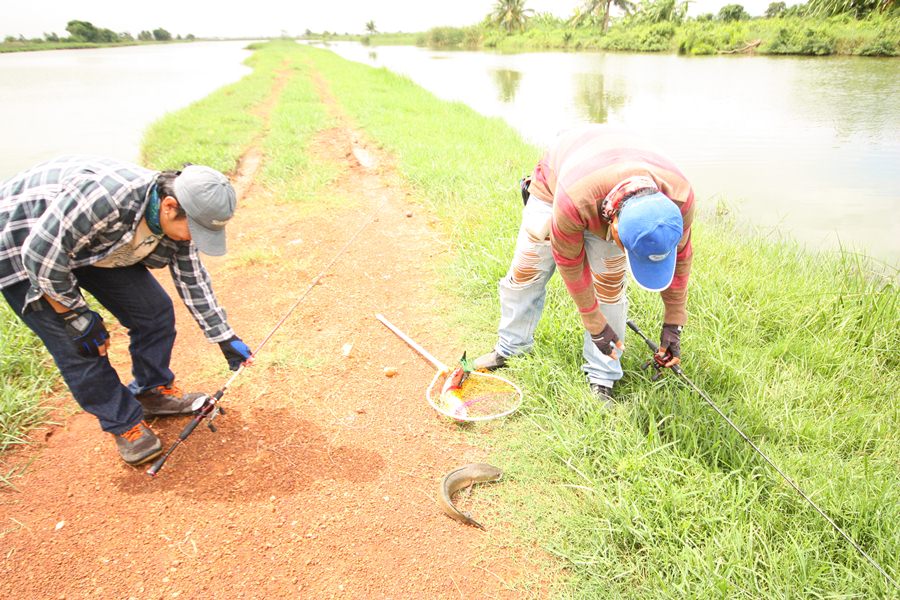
(653, 345)
(156, 466)
(655, 348)
(188, 430)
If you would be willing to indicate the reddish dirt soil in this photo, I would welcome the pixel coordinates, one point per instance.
(322, 479)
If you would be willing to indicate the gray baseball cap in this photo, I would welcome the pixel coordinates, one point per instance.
(209, 201)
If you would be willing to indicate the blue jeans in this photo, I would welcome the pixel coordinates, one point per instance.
(523, 289)
(139, 303)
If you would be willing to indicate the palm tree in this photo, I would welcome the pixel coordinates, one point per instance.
(370, 26)
(594, 10)
(858, 8)
(510, 14)
(662, 11)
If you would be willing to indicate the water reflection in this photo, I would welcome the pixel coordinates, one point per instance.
(593, 98)
(803, 147)
(507, 81)
(822, 91)
(373, 56)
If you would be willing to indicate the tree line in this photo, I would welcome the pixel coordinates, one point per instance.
(512, 15)
(86, 32)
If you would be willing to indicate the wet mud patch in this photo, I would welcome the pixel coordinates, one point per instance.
(256, 454)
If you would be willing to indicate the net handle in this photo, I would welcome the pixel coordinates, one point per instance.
(441, 367)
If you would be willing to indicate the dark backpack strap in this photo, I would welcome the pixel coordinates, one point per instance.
(523, 187)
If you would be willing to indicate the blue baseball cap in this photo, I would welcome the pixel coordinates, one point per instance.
(650, 228)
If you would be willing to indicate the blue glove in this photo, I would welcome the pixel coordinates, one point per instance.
(236, 352)
(87, 332)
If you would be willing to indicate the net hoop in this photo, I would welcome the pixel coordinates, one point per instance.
(442, 409)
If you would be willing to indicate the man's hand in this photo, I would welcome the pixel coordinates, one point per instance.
(608, 342)
(670, 345)
(88, 334)
(236, 352)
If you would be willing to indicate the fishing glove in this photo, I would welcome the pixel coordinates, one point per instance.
(670, 344)
(607, 342)
(236, 352)
(86, 330)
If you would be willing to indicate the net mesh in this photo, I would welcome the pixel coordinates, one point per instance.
(480, 396)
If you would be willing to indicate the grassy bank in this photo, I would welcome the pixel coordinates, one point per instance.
(660, 498)
(372, 39)
(32, 46)
(27, 374)
(35, 46)
(842, 35)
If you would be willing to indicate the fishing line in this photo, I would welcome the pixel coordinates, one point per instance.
(680, 372)
(208, 408)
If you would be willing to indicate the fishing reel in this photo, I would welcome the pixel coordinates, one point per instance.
(207, 406)
(658, 363)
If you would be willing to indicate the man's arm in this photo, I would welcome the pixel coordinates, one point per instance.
(567, 243)
(195, 288)
(675, 296)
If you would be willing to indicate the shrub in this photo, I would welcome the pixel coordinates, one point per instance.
(703, 48)
(453, 37)
(643, 38)
(775, 9)
(733, 12)
(880, 47)
(802, 39)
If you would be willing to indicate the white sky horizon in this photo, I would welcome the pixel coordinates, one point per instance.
(268, 18)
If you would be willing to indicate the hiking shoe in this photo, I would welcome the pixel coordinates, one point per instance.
(166, 400)
(489, 361)
(139, 444)
(604, 394)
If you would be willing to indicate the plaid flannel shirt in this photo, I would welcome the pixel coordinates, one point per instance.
(73, 212)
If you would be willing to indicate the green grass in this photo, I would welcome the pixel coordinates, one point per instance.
(26, 376)
(294, 176)
(660, 498)
(34, 46)
(876, 35)
(216, 130)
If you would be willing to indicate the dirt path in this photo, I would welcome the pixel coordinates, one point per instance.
(322, 478)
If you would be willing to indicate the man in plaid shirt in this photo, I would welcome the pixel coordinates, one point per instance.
(87, 223)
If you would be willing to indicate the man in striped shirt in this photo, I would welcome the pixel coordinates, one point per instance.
(86, 223)
(601, 200)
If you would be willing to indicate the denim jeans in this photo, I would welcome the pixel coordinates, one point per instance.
(524, 288)
(139, 303)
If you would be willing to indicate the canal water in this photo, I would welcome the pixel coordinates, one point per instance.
(100, 100)
(807, 148)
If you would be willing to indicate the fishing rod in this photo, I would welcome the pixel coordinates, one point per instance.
(207, 407)
(658, 364)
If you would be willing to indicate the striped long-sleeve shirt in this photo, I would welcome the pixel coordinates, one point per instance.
(75, 211)
(575, 175)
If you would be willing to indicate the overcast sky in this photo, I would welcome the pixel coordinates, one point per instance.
(225, 18)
